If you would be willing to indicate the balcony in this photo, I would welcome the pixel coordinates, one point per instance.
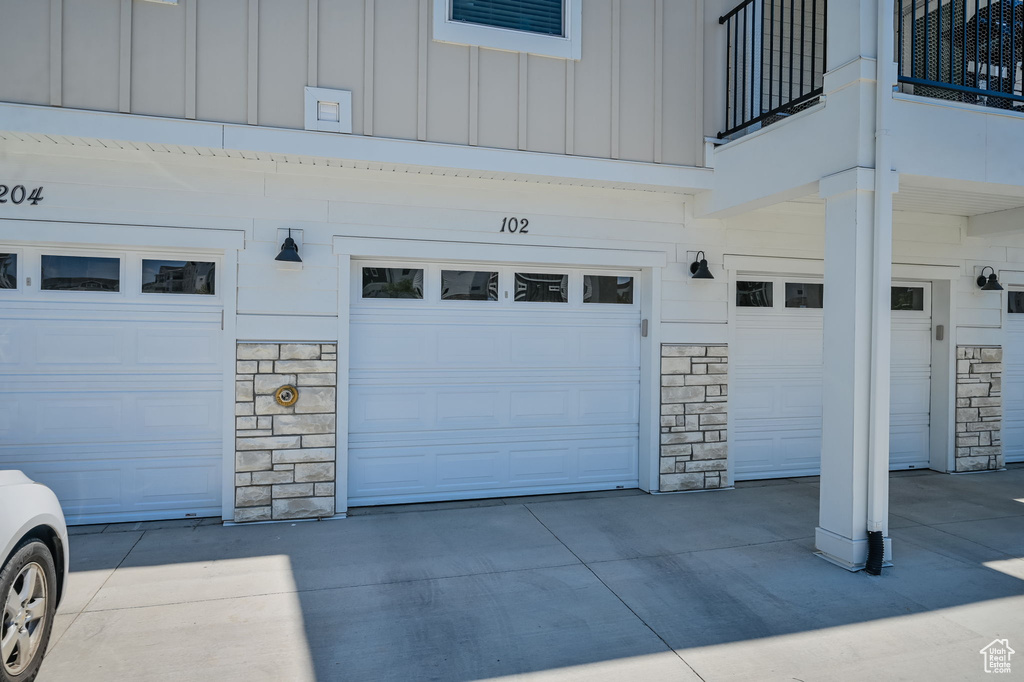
(775, 61)
(962, 50)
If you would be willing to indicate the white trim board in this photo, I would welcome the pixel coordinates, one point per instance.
(142, 236)
(418, 249)
(816, 267)
(390, 153)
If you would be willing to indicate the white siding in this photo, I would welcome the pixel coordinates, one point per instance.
(635, 94)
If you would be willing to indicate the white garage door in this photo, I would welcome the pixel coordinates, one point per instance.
(1013, 380)
(775, 390)
(485, 381)
(113, 395)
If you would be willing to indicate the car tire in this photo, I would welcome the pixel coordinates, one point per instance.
(27, 580)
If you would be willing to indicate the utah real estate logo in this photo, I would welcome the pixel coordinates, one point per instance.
(997, 656)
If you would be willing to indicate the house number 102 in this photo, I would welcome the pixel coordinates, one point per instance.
(514, 225)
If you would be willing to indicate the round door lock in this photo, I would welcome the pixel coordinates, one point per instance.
(286, 395)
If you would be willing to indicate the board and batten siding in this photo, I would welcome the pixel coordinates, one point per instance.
(634, 95)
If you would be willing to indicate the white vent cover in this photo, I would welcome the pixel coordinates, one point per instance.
(328, 111)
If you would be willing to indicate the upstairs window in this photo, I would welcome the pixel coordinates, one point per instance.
(544, 27)
(532, 16)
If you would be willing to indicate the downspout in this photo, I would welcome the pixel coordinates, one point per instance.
(878, 454)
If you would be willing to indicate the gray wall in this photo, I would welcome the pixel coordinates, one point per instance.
(636, 93)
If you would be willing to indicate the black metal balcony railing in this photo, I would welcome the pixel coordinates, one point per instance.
(962, 50)
(775, 60)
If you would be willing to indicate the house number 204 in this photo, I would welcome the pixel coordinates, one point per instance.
(514, 225)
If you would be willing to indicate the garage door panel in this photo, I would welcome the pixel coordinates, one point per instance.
(613, 404)
(752, 400)
(176, 482)
(776, 391)
(175, 346)
(1013, 389)
(909, 393)
(469, 347)
(911, 341)
(491, 398)
(772, 346)
(795, 452)
(436, 471)
(195, 413)
(506, 346)
(458, 470)
(614, 460)
(532, 406)
(609, 347)
(906, 443)
(390, 346)
(119, 406)
(388, 470)
(119, 345)
(97, 486)
(101, 490)
(540, 466)
(73, 415)
(10, 347)
(769, 399)
(376, 409)
(84, 345)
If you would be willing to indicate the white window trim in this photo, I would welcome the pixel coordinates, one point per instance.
(569, 46)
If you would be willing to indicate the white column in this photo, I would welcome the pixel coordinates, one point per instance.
(855, 399)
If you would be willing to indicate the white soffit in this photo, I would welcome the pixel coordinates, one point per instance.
(51, 125)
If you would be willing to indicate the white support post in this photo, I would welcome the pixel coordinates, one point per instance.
(855, 400)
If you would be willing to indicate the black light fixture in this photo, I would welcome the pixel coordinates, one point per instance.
(699, 267)
(990, 283)
(289, 250)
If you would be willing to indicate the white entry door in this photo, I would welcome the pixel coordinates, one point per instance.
(113, 392)
(1013, 379)
(485, 380)
(776, 384)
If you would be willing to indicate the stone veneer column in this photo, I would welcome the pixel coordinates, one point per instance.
(694, 414)
(979, 408)
(285, 456)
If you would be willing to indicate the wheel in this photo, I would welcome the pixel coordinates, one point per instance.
(28, 587)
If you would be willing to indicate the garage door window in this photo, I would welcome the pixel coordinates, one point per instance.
(392, 283)
(178, 277)
(754, 294)
(80, 273)
(1015, 301)
(607, 289)
(8, 271)
(804, 295)
(908, 298)
(469, 285)
(542, 287)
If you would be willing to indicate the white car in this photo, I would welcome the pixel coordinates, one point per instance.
(34, 552)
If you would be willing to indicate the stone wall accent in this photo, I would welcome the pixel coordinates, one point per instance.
(694, 415)
(979, 408)
(285, 456)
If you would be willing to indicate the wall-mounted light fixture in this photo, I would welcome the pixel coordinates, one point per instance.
(990, 283)
(289, 250)
(699, 267)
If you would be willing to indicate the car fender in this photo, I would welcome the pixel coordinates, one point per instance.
(16, 522)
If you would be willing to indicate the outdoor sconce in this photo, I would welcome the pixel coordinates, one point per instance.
(699, 267)
(990, 283)
(289, 250)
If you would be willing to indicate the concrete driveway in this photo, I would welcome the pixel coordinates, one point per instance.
(617, 586)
